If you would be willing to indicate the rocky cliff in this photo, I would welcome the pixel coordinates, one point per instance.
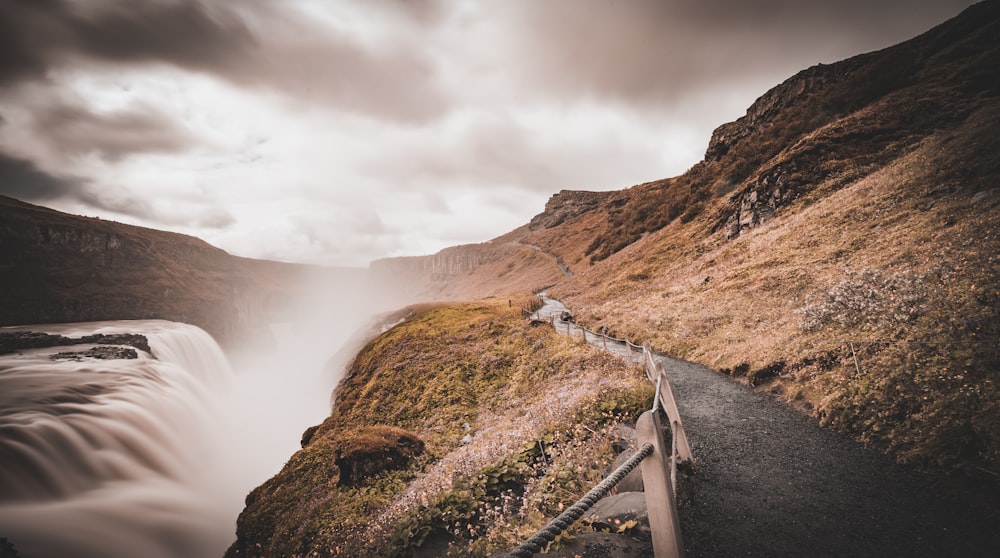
(566, 204)
(56, 267)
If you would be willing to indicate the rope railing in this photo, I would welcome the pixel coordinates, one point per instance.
(656, 375)
(659, 464)
(549, 533)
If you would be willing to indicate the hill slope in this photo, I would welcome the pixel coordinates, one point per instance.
(838, 243)
(56, 267)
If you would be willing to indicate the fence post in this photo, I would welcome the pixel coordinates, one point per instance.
(660, 505)
(676, 426)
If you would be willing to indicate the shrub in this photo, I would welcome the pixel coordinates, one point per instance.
(867, 299)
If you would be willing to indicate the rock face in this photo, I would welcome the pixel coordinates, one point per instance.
(56, 268)
(761, 113)
(371, 450)
(565, 205)
(831, 124)
(450, 261)
(17, 340)
(104, 352)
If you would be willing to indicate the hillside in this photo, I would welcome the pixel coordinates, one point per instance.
(56, 267)
(462, 428)
(836, 246)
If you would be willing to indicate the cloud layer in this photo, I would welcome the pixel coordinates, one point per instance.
(340, 132)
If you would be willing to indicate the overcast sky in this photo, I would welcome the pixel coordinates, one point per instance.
(338, 132)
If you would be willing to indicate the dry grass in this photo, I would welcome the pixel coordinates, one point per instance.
(505, 409)
(907, 235)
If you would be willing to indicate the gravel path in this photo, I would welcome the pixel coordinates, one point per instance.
(768, 481)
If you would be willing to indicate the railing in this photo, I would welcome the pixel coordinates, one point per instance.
(658, 465)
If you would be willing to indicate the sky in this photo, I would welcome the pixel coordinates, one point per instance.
(337, 132)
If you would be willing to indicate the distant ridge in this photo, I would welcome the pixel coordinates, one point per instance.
(58, 267)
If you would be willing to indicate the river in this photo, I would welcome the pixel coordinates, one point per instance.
(151, 456)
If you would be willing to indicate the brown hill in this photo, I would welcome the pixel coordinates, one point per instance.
(837, 244)
(56, 267)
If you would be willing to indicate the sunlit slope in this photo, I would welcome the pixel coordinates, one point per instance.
(465, 425)
(837, 244)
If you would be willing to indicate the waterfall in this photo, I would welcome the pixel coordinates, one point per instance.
(109, 458)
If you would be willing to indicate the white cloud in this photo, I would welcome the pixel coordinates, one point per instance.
(338, 133)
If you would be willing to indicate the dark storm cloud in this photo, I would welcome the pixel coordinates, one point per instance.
(22, 180)
(657, 50)
(75, 130)
(252, 44)
(37, 35)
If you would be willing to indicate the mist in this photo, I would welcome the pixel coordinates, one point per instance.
(156, 456)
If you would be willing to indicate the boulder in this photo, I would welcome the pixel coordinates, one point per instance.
(625, 511)
(370, 450)
(632, 481)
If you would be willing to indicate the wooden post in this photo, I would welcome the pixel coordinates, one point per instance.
(855, 355)
(604, 339)
(670, 406)
(660, 505)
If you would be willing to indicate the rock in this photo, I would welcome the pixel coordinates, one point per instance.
(632, 481)
(370, 450)
(565, 205)
(605, 545)
(104, 352)
(7, 549)
(769, 105)
(615, 513)
(307, 435)
(623, 438)
(17, 340)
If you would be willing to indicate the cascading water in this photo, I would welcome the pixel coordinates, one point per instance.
(147, 457)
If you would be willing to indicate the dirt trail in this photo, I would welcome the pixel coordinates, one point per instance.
(769, 481)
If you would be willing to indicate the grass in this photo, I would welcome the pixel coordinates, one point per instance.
(899, 262)
(515, 419)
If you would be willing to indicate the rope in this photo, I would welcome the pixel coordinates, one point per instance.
(574, 512)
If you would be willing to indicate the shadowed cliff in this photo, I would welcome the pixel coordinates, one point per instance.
(56, 267)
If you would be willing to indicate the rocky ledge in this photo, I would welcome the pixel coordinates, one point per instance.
(19, 340)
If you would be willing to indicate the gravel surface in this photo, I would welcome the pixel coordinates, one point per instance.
(769, 481)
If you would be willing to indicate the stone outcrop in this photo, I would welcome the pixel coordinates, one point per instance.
(450, 261)
(104, 352)
(768, 193)
(56, 268)
(370, 450)
(565, 205)
(761, 114)
(18, 340)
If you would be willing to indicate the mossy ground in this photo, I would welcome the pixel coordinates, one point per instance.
(515, 419)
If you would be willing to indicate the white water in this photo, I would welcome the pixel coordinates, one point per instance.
(149, 457)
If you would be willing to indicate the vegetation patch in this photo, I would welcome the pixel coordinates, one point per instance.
(515, 423)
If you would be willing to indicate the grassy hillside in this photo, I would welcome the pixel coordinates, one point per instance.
(837, 246)
(473, 428)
